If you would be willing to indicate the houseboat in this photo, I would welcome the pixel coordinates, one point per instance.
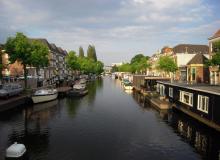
(147, 83)
(199, 101)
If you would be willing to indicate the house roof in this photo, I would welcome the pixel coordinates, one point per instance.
(61, 51)
(216, 35)
(191, 48)
(166, 49)
(65, 52)
(54, 47)
(198, 59)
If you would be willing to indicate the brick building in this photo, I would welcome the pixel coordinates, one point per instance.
(197, 71)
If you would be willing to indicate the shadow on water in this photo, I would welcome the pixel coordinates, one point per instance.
(73, 104)
(31, 125)
(93, 87)
(203, 139)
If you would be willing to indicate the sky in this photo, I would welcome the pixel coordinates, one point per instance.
(119, 29)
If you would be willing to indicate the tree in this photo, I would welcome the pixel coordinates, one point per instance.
(99, 67)
(81, 52)
(114, 69)
(167, 64)
(19, 48)
(215, 61)
(94, 53)
(39, 55)
(72, 61)
(126, 67)
(91, 53)
(27, 52)
(137, 58)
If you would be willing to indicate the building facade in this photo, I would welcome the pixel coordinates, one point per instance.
(214, 70)
(197, 71)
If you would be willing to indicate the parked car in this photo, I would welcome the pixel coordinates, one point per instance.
(10, 89)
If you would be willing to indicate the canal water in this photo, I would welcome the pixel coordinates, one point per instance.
(107, 124)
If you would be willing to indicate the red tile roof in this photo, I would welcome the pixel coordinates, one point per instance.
(216, 35)
(198, 59)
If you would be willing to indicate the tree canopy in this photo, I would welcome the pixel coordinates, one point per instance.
(19, 48)
(216, 57)
(72, 61)
(137, 64)
(81, 52)
(137, 58)
(39, 54)
(84, 64)
(27, 52)
(126, 67)
(91, 53)
(167, 64)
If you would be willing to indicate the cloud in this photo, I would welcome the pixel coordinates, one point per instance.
(117, 27)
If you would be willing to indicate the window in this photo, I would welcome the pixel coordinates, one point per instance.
(158, 87)
(186, 97)
(203, 103)
(193, 74)
(170, 92)
(162, 90)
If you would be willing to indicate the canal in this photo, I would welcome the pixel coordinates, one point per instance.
(107, 124)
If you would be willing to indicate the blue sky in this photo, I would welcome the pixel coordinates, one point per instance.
(118, 28)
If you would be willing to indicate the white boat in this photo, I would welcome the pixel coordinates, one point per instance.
(15, 150)
(79, 86)
(128, 86)
(78, 90)
(82, 81)
(44, 95)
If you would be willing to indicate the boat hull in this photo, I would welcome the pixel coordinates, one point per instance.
(128, 87)
(78, 93)
(44, 98)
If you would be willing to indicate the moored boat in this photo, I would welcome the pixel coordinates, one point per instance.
(78, 93)
(127, 84)
(15, 151)
(78, 90)
(44, 95)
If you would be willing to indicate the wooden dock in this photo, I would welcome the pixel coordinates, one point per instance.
(14, 102)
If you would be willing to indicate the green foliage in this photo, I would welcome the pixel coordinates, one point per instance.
(39, 54)
(126, 67)
(84, 64)
(137, 58)
(139, 63)
(91, 53)
(81, 52)
(216, 57)
(27, 52)
(114, 69)
(216, 47)
(167, 64)
(19, 48)
(72, 61)
(99, 67)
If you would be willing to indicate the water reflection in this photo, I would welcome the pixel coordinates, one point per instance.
(94, 87)
(106, 124)
(204, 140)
(73, 105)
